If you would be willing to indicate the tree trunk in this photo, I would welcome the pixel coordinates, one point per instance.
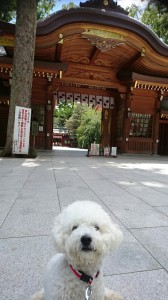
(23, 63)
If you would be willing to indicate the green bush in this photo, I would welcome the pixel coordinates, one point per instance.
(89, 130)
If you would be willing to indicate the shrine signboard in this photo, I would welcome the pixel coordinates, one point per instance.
(21, 130)
(94, 149)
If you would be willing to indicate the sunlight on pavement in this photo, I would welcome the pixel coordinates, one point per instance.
(127, 183)
(154, 184)
(30, 164)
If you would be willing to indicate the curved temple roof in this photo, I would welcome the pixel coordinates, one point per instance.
(99, 45)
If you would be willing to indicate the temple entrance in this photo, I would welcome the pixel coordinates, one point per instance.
(99, 100)
(87, 55)
(163, 139)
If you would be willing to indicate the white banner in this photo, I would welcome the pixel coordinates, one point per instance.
(21, 130)
(113, 151)
(94, 149)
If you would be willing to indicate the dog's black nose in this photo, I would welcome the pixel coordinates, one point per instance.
(86, 240)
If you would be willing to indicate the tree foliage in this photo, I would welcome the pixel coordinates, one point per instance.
(161, 4)
(75, 120)
(8, 9)
(69, 5)
(44, 8)
(84, 125)
(155, 16)
(62, 113)
(89, 129)
(135, 11)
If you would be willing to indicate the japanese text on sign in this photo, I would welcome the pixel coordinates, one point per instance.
(21, 130)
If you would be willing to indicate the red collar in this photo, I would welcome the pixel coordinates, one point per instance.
(84, 277)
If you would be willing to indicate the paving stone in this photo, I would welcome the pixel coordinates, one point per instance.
(132, 189)
(155, 241)
(134, 213)
(131, 256)
(148, 195)
(163, 209)
(22, 265)
(148, 285)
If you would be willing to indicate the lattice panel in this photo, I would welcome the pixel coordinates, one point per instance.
(90, 100)
(84, 98)
(106, 102)
(61, 96)
(111, 102)
(99, 100)
(69, 97)
(77, 98)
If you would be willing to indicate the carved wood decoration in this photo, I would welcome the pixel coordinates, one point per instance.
(103, 44)
(88, 75)
(103, 40)
(6, 41)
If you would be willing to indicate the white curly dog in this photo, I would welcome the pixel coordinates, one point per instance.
(83, 234)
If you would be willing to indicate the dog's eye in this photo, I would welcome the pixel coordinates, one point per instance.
(74, 227)
(96, 227)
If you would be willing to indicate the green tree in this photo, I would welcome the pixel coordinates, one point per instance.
(134, 11)
(161, 4)
(8, 9)
(155, 16)
(89, 129)
(62, 113)
(23, 60)
(74, 121)
(157, 19)
(44, 8)
(69, 5)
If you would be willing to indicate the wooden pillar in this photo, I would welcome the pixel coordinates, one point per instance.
(49, 118)
(51, 101)
(126, 122)
(156, 118)
(106, 127)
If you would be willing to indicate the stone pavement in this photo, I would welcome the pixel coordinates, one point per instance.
(133, 189)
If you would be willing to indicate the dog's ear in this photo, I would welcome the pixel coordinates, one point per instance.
(58, 233)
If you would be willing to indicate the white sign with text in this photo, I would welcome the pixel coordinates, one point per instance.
(21, 132)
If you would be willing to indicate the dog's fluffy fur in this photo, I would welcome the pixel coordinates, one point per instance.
(83, 234)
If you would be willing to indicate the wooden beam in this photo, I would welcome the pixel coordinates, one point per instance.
(149, 79)
(6, 62)
(50, 66)
(128, 65)
(86, 67)
(38, 65)
(95, 55)
(58, 51)
(81, 89)
(113, 85)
